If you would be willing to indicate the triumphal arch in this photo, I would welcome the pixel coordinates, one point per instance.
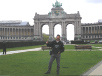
(57, 16)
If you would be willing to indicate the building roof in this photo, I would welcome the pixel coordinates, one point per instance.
(14, 23)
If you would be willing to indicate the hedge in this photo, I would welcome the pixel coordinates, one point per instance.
(22, 43)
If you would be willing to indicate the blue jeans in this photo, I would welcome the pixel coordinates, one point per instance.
(53, 57)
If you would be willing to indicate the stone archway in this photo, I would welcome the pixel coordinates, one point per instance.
(57, 16)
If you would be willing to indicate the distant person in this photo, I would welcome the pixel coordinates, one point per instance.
(4, 47)
(57, 48)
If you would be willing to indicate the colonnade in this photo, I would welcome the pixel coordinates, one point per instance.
(16, 32)
(91, 31)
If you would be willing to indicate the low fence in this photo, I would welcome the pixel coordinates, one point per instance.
(20, 44)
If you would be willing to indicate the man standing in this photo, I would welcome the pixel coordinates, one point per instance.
(4, 47)
(57, 48)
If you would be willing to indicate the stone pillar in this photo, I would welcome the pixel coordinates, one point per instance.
(85, 30)
(40, 31)
(82, 30)
(51, 31)
(30, 31)
(94, 29)
(4, 33)
(18, 32)
(91, 30)
(36, 30)
(99, 30)
(88, 30)
(12, 33)
(27, 31)
(15, 33)
(24, 31)
(76, 30)
(64, 34)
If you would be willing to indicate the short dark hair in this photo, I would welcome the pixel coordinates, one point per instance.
(58, 35)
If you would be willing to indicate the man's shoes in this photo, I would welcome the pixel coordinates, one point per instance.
(47, 73)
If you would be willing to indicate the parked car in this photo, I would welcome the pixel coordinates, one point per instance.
(100, 41)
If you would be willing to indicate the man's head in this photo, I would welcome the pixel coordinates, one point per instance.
(58, 37)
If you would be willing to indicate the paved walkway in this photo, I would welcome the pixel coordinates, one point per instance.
(95, 71)
(20, 51)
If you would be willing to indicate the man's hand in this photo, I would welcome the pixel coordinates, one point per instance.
(46, 42)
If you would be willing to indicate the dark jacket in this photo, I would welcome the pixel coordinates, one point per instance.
(56, 47)
(4, 45)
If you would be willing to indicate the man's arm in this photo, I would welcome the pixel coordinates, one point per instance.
(62, 48)
(49, 44)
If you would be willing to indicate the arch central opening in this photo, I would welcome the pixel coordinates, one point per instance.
(70, 32)
(57, 30)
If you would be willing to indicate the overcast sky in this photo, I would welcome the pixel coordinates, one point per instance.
(90, 10)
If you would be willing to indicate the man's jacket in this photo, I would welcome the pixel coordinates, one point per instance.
(56, 47)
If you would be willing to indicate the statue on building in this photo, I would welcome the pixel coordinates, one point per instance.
(57, 4)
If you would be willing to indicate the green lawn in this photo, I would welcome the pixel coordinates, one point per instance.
(36, 63)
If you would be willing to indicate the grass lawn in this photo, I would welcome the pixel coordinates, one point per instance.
(36, 63)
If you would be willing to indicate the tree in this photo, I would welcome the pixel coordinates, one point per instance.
(45, 37)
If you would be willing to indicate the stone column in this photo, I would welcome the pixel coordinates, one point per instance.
(88, 30)
(30, 31)
(51, 31)
(91, 30)
(82, 30)
(64, 34)
(27, 31)
(40, 31)
(94, 29)
(20, 32)
(15, 33)
(85, 30)
(91, 33)
(12, 33)
(99, 32)
(7, 34)
(24, 32)
(4, 32)
(36, 30)
(77, 30)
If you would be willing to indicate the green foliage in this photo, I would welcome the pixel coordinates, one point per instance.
(45, 37)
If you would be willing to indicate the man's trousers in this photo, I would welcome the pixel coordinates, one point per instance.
(53, 57)
(4, 50)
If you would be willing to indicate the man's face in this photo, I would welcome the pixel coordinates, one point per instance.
(58, 38)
